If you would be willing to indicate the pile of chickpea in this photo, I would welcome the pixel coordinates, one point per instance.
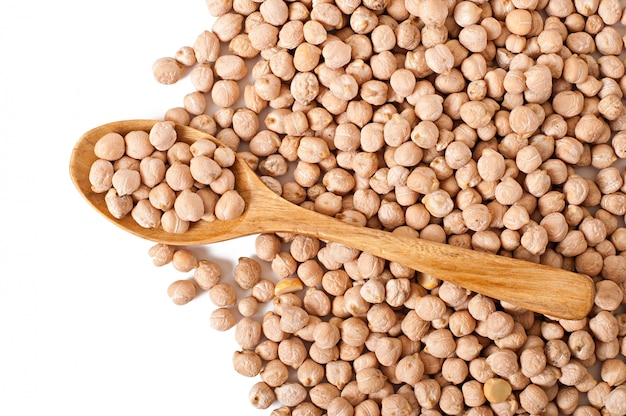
(489, 124)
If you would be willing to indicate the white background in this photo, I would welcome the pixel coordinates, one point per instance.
(86, 327)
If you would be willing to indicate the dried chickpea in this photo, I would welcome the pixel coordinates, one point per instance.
(222, 319)
(261, 395)
(181, 292)
(247, 272)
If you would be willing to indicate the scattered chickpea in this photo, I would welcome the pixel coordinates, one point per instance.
(181, 292)
(222, 319)
(467, 129)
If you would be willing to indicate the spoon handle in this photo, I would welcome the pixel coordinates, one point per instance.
(536, 287)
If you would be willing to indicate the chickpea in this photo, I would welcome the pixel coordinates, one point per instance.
(181, 292)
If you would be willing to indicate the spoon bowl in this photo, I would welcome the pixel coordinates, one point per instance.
(554, 292)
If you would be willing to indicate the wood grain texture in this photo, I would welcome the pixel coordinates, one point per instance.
(554, 292)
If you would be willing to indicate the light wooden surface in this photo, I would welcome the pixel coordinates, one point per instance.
(554, 292)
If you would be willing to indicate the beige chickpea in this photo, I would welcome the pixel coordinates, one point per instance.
(270, 327)
(467, 13)
(451, 400)
(181, 292)
(614, 401)
(402, 82)
(225, 93)
(222, 319)
(339, 406)
(101, 176)
(604, 326)
(475, 114)
(610, 107)
(608, 41)
(207, 274)
(519, 22)
(461, 323)
(499, 324)
(538, 182)
(247, 272)
(274, 373)
(454, 370)
(167, 70)
(223, 294)
(206, 47)
(184, 260)
(370, 380)
(110, 146)
(388, 350)
(473, 37)
(427, 393)
(568, 103)
(261, 395)
(195, 103)
(598, 394)
(275, 12)
(589, 262)
(572, 373)
(491, 165)
(145, 214)
(189, 206)
(293, 318)
(413, 326)
(528, 159)
(138, 144)
(438, 203)
(439, 343)
(457, 154)
(524, 121)
(430, 308)
(267, 86)
(263, 36)
(267, 246)
(439, 59)
(550, 41)
(314, 32)
(248, 306)
(534, 238)
(322, 394)
(480, 307)
(227, 26)
(532, 361)
(383, 65)
(395, 404)
(290, 393)
(516, 217)
(381, 318)
(614, 203)
(613, 372)
(161, 254)
(202, 77)
(477, 217)
(533, 399)
(410, 369)
(230, 67)
(267, 350)
(473, 394)
(247, 363)
(292, 352)
(310, 373)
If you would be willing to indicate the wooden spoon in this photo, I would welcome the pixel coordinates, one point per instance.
(554, 292)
